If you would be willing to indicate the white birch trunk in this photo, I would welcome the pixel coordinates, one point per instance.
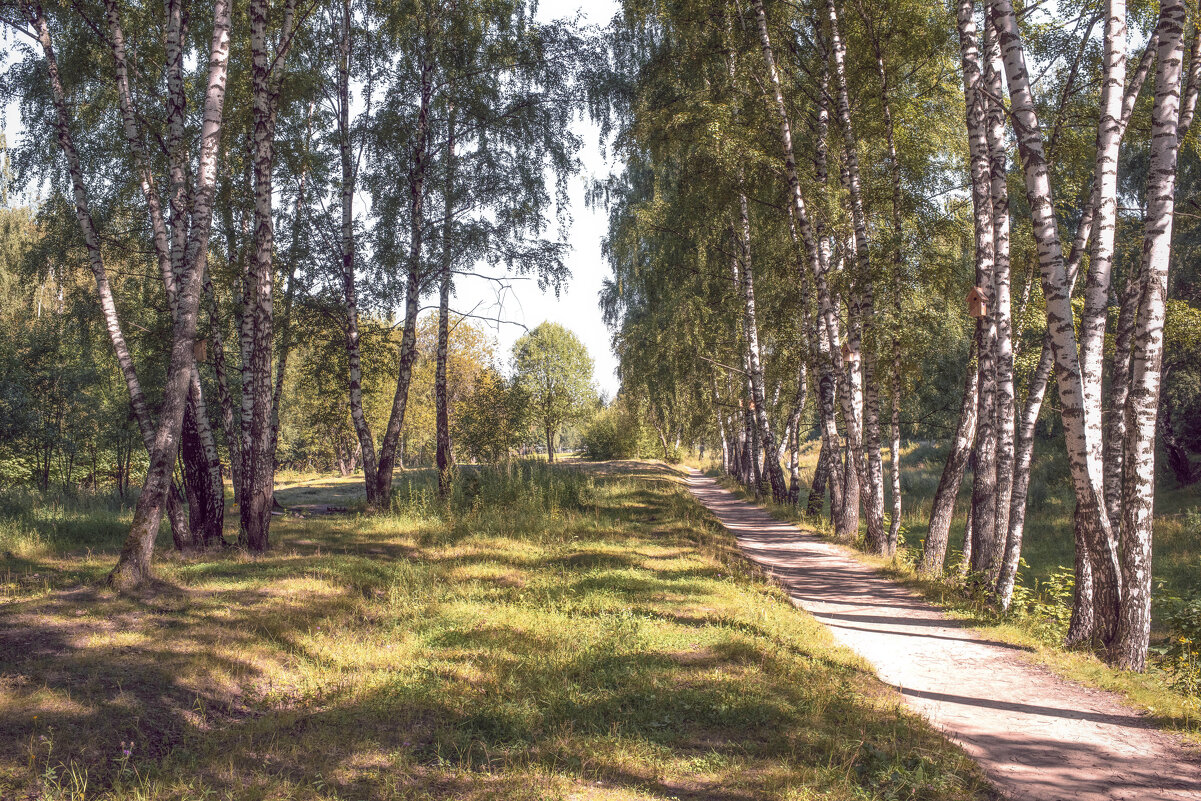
(1138, 491)
(1092, 524)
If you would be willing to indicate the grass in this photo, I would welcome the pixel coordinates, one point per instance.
(550, 633)
(1040, 623)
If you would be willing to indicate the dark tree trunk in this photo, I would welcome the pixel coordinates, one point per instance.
(413, 287)
(441, 397)
(942, 510)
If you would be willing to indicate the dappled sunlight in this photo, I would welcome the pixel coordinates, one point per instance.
(621, 654)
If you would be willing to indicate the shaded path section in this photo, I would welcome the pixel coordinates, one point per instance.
(1037, 736)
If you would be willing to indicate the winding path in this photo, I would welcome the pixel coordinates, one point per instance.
(1037, 736)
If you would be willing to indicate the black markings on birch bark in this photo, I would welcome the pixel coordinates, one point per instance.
(1138, 490)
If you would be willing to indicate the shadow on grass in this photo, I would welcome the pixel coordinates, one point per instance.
(353, 661)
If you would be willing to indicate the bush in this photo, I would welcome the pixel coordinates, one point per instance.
(612, 434)
(1180, 657)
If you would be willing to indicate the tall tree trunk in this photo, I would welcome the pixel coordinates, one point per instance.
(1138, 485)
(202, 468)
(259, 459)
(1001, 311)
(349, 252)
(828, 336)
(413, 287)
(896, 247)
(1092, 523)
(942, 509)
(133, 566)
(750, 328)
(872, 472)
(258, 295)
(817, 490)
(1038, 382)
(441, 397)
(1096, 292)
(984, 476)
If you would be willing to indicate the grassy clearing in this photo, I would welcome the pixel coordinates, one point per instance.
(1042, 604)
(554, 633)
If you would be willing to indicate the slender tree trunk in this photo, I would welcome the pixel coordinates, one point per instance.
(133, 566)
(828, 336)
(441, 397)
(1138, 485)
(1092, 524)
(1024, 453)
(984, 475)
(408, 341)
(1001, 311)
(258, 294)
(942, 509)
(872, 472)
(1096, 292)
(349, 252)
(898, 269)
(259, 459)
(817, 490)
(223, 395)
(750, 327)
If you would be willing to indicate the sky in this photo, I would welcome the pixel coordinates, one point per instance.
(523, 306)
(577, 306)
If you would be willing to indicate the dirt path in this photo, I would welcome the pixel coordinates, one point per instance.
(1038, 737)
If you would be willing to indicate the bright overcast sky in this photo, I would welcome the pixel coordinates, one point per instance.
(524, 304)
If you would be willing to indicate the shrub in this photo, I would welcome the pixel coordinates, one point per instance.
(1180, 657)
(612, 434)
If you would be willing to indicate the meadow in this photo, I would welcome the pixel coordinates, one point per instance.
(548, 632)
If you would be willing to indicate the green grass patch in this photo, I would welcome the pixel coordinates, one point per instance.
(550, 632)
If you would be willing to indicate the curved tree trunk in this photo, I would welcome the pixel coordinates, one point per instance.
(413, 286)
(133, 566)
(942, 510)
(828, 337)
(1092, 523)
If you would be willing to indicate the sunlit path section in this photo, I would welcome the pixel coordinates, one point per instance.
(1037, 736)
